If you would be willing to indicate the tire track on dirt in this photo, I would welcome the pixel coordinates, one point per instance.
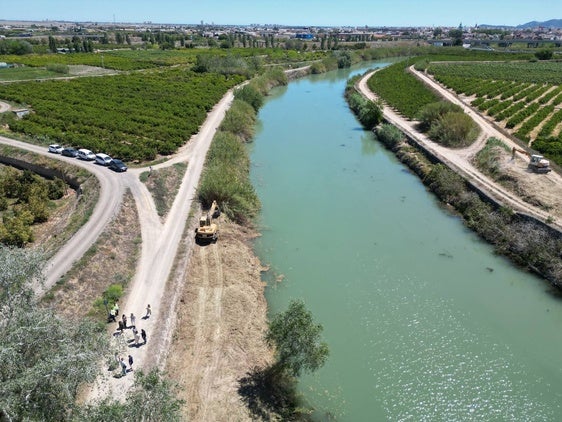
(207, 343)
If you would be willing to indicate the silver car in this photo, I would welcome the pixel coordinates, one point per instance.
(86, 154)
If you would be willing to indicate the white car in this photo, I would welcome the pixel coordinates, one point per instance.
(86, 154)
(103, 159)
(55, 148)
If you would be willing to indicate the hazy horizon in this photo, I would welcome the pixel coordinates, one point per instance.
(384, 13)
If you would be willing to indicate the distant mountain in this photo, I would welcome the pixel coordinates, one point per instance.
(552, 23)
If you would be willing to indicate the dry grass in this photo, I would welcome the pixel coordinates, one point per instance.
(112, 259)
(163, 184)
(220, 329)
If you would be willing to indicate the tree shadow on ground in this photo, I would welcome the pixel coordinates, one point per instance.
(269, 394)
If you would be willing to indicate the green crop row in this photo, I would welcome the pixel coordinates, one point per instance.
(535, 72)
(537, 93)
(134, 117)
(533, 122)
(401, 90)
(108, 60)
(488, 104)
(499, 107)
(514, 90)
(550, 95)
(510, 111)
(526, 92)
(550, 147)
(496, 88)
(521, 115)
(551, 124)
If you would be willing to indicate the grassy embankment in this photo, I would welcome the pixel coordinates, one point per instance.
(76, 210)
(526, 242)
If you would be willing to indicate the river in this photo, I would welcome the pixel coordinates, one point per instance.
(422, 320)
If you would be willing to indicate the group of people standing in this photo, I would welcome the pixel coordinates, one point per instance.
(122, 325)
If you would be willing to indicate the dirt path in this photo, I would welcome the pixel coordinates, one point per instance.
(546, 187)
(160, 243)
(4, 107)
(221, 325)
(110, 198)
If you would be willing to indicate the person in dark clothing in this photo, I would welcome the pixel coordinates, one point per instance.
(131, 362)
(143, 335)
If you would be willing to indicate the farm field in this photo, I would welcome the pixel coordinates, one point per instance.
(524, 98)
(133, 116)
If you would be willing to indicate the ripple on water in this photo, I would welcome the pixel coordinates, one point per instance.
(428, 366)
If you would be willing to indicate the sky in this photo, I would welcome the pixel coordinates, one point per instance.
(372, 13)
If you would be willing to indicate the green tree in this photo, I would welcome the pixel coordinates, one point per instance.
(456, 35)
(296, 337)
(344, 60)
(52, 44)
(151, 399)
(544, 54)
(43, 358)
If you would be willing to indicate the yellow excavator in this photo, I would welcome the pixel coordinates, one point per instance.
(208, 230)
(537, 163)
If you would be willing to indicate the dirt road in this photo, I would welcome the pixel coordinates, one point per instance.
(111, 194)
(547, 188)
(159, 242)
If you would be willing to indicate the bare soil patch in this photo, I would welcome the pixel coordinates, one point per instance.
(542, 190)
(221, 322)
(85, 70)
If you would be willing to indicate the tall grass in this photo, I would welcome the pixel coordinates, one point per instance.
(226, 178)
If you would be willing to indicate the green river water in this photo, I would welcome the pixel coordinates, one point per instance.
(423, 321)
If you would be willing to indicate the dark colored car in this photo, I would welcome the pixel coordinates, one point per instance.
(69, 152)
(117, 165)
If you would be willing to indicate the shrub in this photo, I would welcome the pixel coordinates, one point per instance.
(487, 159)
(317, 68)
(240, 120)
(251, 95)
(389, 135)
(447, 184)
(454, 130)
(368, 112)
(432, 112)
(226, 179)
(58, 68)
(544, 54)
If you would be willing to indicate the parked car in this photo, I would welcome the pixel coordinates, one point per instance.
(86, 154)
(55, 148)
(117, 165)
(70, 152)
(103, 159)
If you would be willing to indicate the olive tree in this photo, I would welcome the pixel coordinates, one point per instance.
(43, 358)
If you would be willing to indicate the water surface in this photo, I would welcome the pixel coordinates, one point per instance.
(423, 321)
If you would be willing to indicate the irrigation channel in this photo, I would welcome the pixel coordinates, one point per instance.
(423, 321)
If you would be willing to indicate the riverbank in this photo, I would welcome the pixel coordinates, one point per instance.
(522, 225)
(221, 323)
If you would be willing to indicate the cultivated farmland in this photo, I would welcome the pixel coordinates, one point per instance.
(525, 98)
(132, 116)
